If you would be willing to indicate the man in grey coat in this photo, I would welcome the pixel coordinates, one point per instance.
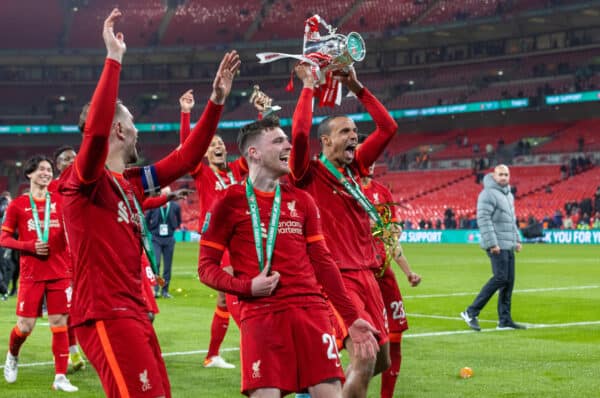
(500, 239)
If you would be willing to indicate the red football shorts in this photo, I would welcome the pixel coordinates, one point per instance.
(233, 307)
(127, 357)
(392, 299)
(366, 296)
(290, 349)
(338, 326)
(31, 297)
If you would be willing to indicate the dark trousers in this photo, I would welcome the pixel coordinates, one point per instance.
(503, 281)
(164, 247)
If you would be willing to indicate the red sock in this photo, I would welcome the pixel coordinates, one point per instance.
(389, 377)
(218, 329)
(60, 349)
(72, 338)
(17, 338)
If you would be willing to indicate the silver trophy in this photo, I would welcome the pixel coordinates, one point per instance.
(262, 102)
(326, 53)
(333, 51)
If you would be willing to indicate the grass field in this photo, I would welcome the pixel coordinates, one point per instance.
(557, 295)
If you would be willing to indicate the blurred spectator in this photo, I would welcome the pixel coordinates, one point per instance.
(580, 144)
(573, 167)
(585, 219)
(568, 222)
(586, 206)
(583, 226)
(564, 172)
(557, 219)
(596, 221)
(597, 200)
(449, 219)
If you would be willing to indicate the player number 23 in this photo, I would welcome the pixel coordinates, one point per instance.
(397, 310)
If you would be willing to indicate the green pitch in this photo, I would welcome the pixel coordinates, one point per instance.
(557, 294)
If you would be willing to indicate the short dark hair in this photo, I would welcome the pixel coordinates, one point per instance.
(86, 109)
(324, 127)
(60, 150)
(254, 129)
(33, 162)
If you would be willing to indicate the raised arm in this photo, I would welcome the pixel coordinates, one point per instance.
(90, 161)
(187, 157)
(186, 102)
(385, 129)
(302, 121)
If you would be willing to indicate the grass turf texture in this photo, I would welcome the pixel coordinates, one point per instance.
(555, 286)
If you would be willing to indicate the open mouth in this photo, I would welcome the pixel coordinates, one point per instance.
(350, 150)
(284, 158)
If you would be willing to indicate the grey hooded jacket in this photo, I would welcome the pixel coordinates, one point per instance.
(496, 216)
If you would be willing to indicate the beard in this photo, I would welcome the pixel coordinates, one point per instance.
(132, 157)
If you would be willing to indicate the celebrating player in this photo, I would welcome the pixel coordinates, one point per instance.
(382, 198)
(101, 209)
(346, 213)
(44, 268)
(211, 181)
(281, 301)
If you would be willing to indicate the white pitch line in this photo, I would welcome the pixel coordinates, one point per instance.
(529, 326)
(450, 318)
(407, 335)
(164, 354)
(549, 289)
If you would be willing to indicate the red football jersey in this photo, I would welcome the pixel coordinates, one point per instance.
(229, 227)
(19, 218)
(102, 226)
(346, 224)
(208, 186)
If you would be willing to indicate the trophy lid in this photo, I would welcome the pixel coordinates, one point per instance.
(355, 45)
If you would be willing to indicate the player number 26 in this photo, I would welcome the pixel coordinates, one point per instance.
(332, 352)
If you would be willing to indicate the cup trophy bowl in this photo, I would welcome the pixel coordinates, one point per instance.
(326, 54)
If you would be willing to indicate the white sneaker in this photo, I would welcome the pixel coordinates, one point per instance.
(217, 362)
(61, 383)
(11, 368)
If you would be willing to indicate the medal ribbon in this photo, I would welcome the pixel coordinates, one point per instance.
(222, 182)
(273, 224)
(353, 189)
(42, 235)
(164, 213)
(146, 237)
